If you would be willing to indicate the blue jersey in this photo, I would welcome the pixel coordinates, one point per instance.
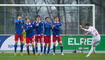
(18, 26)
(57, 28)
(47, 28)
(29, 30)
(38, 29)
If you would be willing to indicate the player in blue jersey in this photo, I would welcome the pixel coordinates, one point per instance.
(38, 25)
(29, 35)
(19, 33)
(56, 34)
(47, 35)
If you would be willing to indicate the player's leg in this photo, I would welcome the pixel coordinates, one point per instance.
(61, 45)
(48, 51)
(41, 44)
(92, 48)
(49, 44)
(95, 42)
(45, 46)
(90, 52)
(33, 47)
(22, 44)
(54, 44)
(36, 41)
(15, 46)
(27, 42)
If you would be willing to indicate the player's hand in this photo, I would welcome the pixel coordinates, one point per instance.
(21, 21)
(31, 26)
(56, 35)
(22, 27)
(81, 26)
(37, 24)
(53, 27)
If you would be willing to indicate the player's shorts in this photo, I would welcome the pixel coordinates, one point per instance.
(57, 37)
(47, 39)
(29, 40)
(17, 37)
(39, 38)
(95, 41)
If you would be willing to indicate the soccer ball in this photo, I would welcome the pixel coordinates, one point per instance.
(53, 8)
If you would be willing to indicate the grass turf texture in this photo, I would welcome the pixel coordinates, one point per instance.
(67, 56)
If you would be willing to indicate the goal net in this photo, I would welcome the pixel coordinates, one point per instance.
(71, 16)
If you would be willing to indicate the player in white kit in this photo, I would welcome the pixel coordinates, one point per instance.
(95, 39)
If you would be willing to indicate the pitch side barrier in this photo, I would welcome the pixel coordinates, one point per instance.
(71, 42)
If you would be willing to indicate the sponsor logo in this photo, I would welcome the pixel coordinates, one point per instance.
(74, 41)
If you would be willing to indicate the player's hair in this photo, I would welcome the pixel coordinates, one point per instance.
(26, 18)
(37, 16)
(87, 24)
(55, 17)
(19, 15)
(46, 18)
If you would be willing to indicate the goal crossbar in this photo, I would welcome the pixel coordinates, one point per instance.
(47, 5)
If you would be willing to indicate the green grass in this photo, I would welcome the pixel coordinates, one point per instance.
(67, 56)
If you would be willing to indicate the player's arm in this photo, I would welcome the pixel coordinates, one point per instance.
(58, 27)
(17, 21)
(35, 25)
(53, 26)
(47, 26)
(41, 24)
(50, 26)
(88, 30)
(21, 21)
(27, 28)
(22, 25)
(86, 33)
(32, 26)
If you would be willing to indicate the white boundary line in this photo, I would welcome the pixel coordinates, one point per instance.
(57, 51)
(20, 5)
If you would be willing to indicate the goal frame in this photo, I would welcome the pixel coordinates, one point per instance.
(92, 5)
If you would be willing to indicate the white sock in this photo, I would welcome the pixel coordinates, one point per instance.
(92, 48)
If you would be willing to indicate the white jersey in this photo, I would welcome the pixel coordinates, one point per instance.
(94, 32)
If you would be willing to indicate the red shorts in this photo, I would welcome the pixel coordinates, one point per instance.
(47, 39)
(29, 40)
(39, 37)
(57, 37)
(17, 37)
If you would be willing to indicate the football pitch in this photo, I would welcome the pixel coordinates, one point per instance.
(66, 56)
